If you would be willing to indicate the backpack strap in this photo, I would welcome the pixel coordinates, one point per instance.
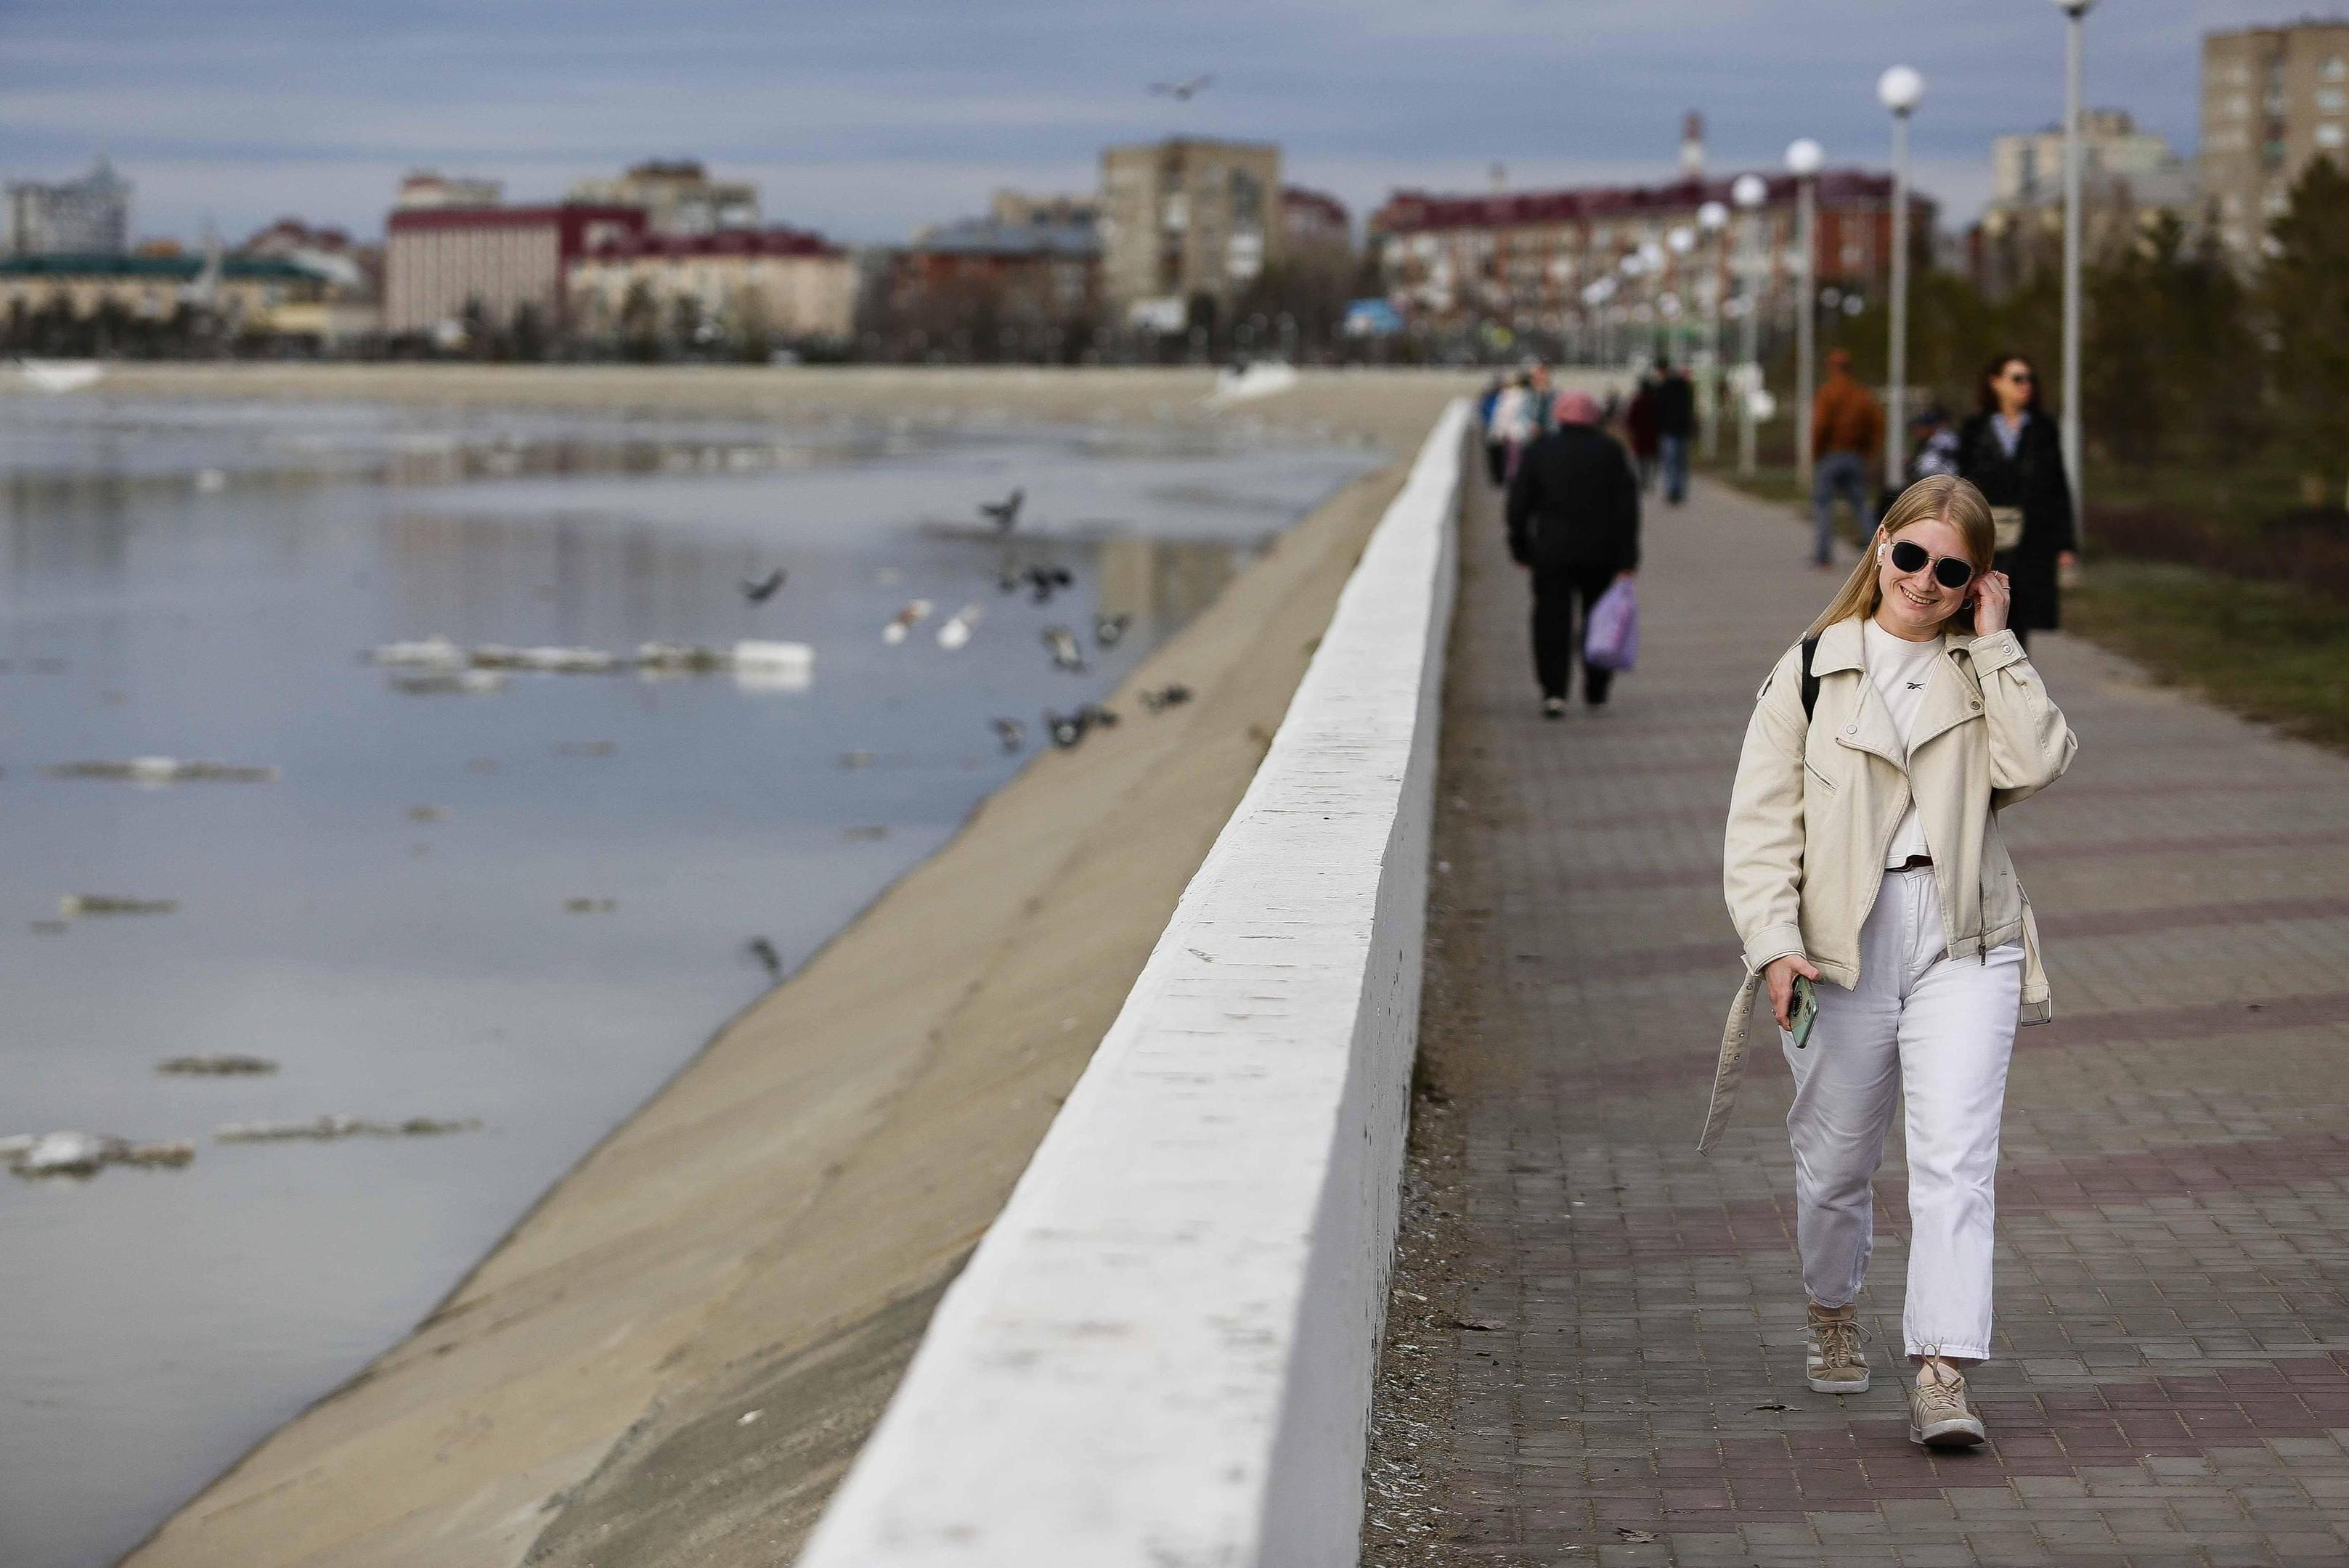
(1810, 681)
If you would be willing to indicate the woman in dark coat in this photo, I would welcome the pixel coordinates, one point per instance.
(2011, 452)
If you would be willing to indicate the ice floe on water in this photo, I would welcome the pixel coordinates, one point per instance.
(324, 1127)
(153, 770)
(35, 1154)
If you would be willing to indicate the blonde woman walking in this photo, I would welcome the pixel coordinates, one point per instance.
(1868, 878)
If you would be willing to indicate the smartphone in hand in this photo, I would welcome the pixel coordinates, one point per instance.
(1804, 1011)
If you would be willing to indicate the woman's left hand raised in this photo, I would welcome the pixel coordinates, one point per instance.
(1993, 596)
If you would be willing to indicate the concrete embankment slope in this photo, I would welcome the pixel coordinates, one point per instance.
(673, 1358)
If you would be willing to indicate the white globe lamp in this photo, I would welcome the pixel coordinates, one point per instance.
(1900, 89)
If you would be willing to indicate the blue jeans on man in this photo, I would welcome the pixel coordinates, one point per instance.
(1675, 456)
(1846, 473)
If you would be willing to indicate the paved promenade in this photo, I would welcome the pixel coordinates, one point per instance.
(1595, 1350)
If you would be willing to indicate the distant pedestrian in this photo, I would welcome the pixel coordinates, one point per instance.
(2009, 451)
(1847, 443)
(1642, 425)
(1675, 425)
(1574, 523)
(1497, 452)
(1878, 908)
(1539, 388)
(1933, 444)
(1514, 421)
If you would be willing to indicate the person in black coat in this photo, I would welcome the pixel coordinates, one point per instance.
(1574, 523)
(1675, 426)
(2010, 451)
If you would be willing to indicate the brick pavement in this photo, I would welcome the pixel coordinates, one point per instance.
(1595, 1342)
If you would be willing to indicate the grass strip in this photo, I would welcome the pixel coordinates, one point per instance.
(2270, 651)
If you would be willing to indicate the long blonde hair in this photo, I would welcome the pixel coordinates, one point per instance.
(1937, 496)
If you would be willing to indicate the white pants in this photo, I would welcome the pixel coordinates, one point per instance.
(1938, 1030)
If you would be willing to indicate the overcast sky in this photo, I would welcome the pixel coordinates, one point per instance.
(865, 117)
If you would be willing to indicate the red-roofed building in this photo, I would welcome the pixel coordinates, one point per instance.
(1528, 256)
(786, 283)
(441, 262)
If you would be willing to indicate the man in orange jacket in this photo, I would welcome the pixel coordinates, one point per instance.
(1846, 443)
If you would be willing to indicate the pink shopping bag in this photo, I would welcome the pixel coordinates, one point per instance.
(1612, 641)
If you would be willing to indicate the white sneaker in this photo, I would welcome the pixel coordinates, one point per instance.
(1553, 707)
(1938, 1415)
(1835, 1364)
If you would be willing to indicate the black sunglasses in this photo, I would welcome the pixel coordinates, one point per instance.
(1948, 571)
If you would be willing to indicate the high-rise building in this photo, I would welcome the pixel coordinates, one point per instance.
(1186, 218)
(89, 217)
(2273, 98)
(677, 197)
(2129, 179)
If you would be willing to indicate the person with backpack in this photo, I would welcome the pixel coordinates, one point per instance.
(1574, 522)
(1870, 886)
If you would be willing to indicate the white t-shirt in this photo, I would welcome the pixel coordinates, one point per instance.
(1900, 669)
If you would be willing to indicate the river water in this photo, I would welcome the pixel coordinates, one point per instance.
(525, 907)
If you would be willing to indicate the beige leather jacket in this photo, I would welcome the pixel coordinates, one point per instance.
(1816, 806)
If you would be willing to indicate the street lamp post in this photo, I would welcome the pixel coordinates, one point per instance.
(1749, 192)
(1712, 219)
(1899, 89)
(2076, 14)
(1804, 157)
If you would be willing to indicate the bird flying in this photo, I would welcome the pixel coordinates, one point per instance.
(1181, 91)
(762, 590)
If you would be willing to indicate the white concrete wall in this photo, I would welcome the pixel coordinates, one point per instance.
(1161, 1354)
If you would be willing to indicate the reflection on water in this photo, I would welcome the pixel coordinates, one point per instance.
(523, 899)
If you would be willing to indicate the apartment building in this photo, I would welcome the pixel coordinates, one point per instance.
(1186, 218)
(677, 197)
(787, 283)
(2273, 98)
(86, 216)
(2130, 181)
(441, 261)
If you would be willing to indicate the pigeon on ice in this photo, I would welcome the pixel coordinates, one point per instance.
(957, 630)
(1011, 732)
(1108, 629)
(1066, 653)
(1004, 513)
(914, 612)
